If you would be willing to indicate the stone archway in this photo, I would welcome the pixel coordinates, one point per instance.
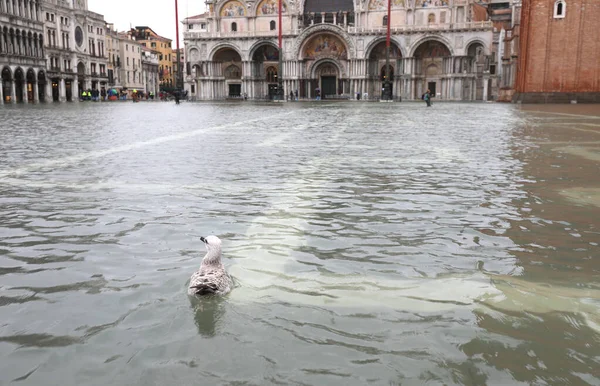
(229, 67)
(430, 67)
(477, 63)
(265, 70)
(328, 78)
(81, 86)
(377, 67)
(6, 85)
(324, 57)
(19, 84)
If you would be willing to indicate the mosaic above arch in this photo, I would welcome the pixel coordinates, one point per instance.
(432, 49)
(270, 7)
(379, 51)
(431, 3)
(381, 5)
(233, 8)
(325, 45)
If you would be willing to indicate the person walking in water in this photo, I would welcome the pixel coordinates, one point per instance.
(427, 97)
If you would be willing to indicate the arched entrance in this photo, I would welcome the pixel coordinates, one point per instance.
(31, 80)
(6, 85)
(80, 78)
(377, 61)
(265, 64)
(323, 55)
(327, 75)
(41, 80)
(55, 90)
(477, 63)
(229, 64)
(430, 63)
(19, 83)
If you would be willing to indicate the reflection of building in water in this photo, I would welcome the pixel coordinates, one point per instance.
(339, 47)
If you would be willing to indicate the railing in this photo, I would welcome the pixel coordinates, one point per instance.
(417, 28)
(352, 30)
(228, 34)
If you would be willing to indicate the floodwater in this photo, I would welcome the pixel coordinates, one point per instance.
(370, 244)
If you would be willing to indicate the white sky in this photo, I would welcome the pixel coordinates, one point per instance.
(156, 14)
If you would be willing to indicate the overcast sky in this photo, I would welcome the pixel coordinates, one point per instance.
(156, 14)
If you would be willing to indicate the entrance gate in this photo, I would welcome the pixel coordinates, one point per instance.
(328, 86)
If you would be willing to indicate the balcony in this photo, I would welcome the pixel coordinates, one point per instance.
(480, 25)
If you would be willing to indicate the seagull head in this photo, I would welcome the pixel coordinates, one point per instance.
(212, 244)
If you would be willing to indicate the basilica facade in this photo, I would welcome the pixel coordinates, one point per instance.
(338, 47)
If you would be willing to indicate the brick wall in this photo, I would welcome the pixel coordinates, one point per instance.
(560, 55)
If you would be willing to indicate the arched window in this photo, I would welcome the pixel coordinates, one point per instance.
(272, 25)
(385, 20)
(271, 75)
(431, 19)
(233, 27)
(560, 8)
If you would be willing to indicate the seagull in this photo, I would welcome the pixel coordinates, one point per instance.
(211, 278)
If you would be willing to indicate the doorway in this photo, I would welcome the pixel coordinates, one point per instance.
(68, 91)
(328, 86)
(431, 87)
(55, 90)
(235, 90)
(272, 90)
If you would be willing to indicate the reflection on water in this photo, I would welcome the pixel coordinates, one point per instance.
(208, 314)
(455, 245)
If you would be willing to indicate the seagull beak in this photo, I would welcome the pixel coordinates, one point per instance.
(203, 240)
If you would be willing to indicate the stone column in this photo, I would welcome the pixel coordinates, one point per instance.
(75, 91)
(13, 94)
(345, 18)
(485, 88)
(1, 93)
(322, 17)
(36, 93)
(62, 91)
(25, 96)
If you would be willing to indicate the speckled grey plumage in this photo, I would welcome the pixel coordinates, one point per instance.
(211, 278)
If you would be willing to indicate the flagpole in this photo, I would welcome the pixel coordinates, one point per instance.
(280, 69)
(387, 89)
(179, 74)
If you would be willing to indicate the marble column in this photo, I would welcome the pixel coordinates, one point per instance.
(1, 93)
(485, 88)
(62, 91)
(13, 94)
(24, 91)
(75, 91)
(36, 94)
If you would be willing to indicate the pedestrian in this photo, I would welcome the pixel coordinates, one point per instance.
(296, 94)
(427, 97)
(291, 96)
(318, 92)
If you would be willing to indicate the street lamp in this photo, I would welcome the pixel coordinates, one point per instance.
(387, 83)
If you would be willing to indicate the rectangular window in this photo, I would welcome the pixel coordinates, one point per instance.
(128, 61)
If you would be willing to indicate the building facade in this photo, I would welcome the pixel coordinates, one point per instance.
(559, 54)
(150, 73)
(150, 39)
(338, 47)
(75, 50)
(22, 62)
(130, 71)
